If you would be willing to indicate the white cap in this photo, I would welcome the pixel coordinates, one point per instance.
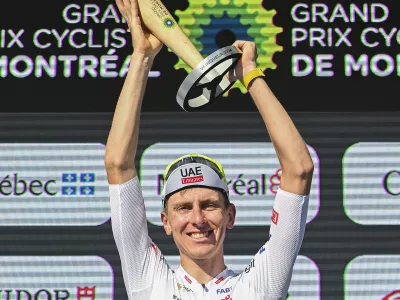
(193, 175)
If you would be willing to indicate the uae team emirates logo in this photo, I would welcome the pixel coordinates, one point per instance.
(191, 175)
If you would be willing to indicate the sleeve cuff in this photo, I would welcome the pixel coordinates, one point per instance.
(134, 180)
(290, 195)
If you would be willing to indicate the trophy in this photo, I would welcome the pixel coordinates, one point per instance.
(208, 79)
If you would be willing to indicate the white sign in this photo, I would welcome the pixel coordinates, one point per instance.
(371, 183)
(305, 283)
(53, 185)
(373, 277)
(252, 171)
(56, 277)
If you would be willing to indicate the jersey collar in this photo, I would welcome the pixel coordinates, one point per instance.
(192, 281)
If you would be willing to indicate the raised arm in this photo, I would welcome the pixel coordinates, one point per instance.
(294, 157)
(273, 264)
(141, 261)
(123, 138)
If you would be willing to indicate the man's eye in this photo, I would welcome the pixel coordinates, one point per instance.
(182, 208)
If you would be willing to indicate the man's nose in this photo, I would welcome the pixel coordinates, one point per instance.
(197, 216)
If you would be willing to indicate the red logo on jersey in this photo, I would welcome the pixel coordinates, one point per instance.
(188, 279)
(154, 248)
(395, 295)
(219, 280)
(227, 298)
(192, 179)
(274, 217)
(86, 293)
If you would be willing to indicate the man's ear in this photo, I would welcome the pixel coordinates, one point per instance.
(231, 216)
(164, 219)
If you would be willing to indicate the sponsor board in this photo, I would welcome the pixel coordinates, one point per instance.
(373, 277)
(56, 277)
(252, 171)
(305, 283)
(371, 183)
(53, 185)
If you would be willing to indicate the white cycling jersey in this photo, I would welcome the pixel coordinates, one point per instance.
(147, 275)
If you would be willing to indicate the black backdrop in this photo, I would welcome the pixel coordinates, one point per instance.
(308, 93)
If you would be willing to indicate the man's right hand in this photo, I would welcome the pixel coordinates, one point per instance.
(144, 42)
(123, 137)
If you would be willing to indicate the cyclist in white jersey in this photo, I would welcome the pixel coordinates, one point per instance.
(197, 211)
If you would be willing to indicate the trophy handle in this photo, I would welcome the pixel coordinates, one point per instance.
(160, 22)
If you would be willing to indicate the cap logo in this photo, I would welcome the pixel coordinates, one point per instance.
(191, 175)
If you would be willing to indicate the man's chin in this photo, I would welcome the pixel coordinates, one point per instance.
(202, 252)
(200, 256)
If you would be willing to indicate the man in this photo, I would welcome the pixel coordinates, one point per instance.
(197, 211)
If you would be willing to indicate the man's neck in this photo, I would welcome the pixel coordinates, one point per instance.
(203, 270)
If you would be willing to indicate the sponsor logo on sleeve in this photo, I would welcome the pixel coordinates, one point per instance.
(275, 217)
(250, 266)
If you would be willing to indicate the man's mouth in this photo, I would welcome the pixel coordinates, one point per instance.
(199, 235)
